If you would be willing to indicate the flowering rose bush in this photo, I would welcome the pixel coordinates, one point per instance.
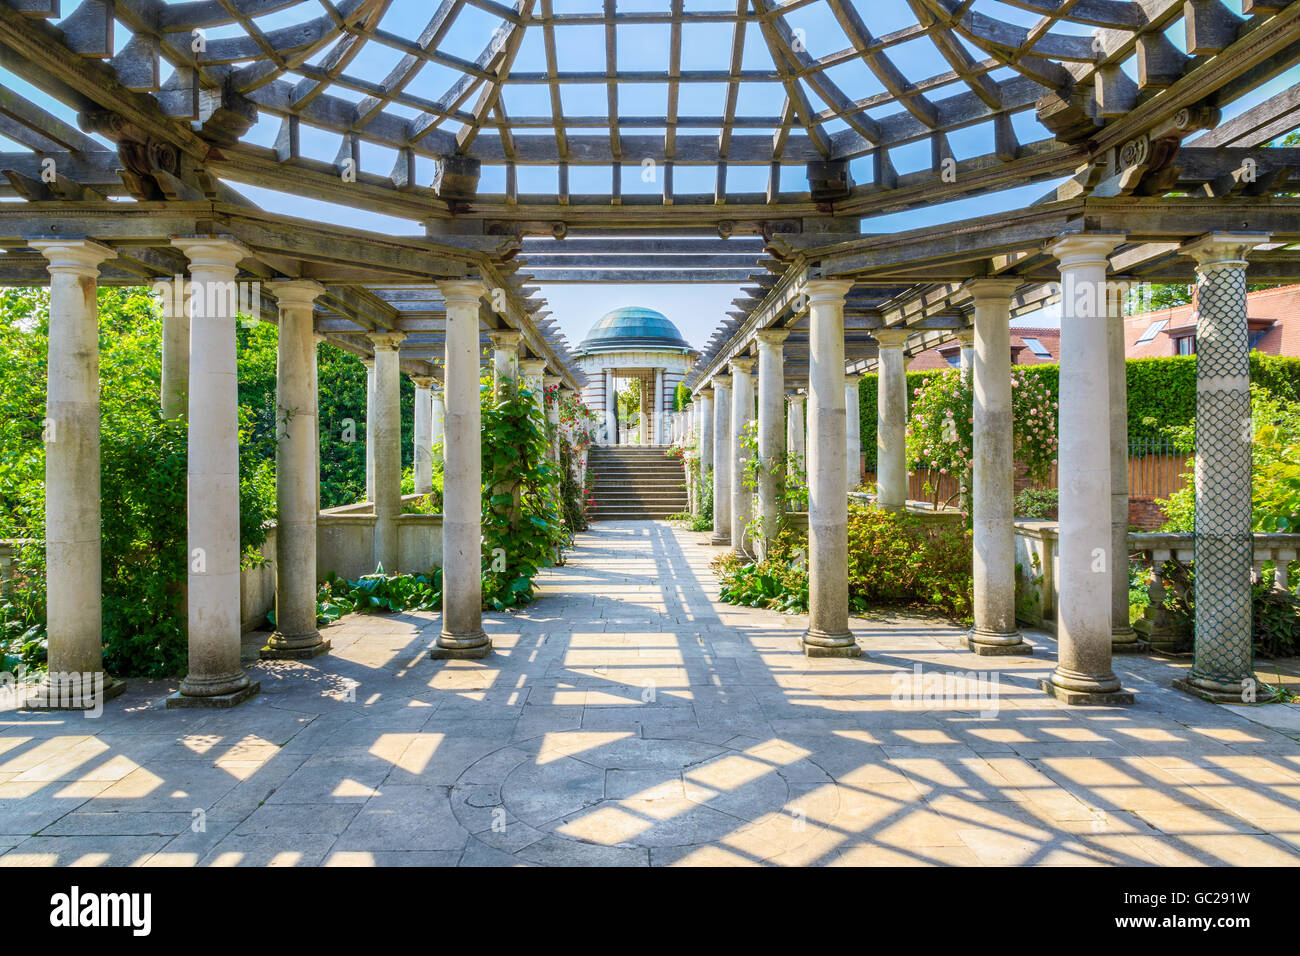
(940, 432)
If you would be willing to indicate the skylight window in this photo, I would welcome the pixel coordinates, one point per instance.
(1036, 347)
(1154, 329)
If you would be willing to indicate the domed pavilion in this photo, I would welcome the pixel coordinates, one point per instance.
(634, 344)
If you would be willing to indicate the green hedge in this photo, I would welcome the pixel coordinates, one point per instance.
(1161, 392)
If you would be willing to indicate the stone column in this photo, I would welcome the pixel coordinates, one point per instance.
(658, 408)
(891, 420)
(967, 339)
(853, 433)
(388, 448)
(643, 416)
(742, 413)
(505, 357)
(722, 457)
(422, 453)
(174, 393)
(1223, 664)
(794, 441)
(611, 409)
(216, 677)
(531, 371)
(437, 414)
(295, 476)
(317, 339)
(1122, 636)
(992, 487)
(371, 413)
(462, 559)
(73, 576)
(1083, 674)
(553, 384)
(828, 633)
(771, 434)
(705, 398)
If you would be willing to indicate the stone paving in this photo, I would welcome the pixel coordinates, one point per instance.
(627, 718)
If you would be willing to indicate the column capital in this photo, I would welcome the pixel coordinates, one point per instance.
(771, 339)
(368, 361)
(550, 381)
(994, 287)
(296, 293)
(891, 338)
(462, 291)
(721, 381)
(386, 340)
(1223, 248)
(966, 337)
(852, 379)
(821, 290)
(505, 339)
(81, 256)
(741, 365)
(796, 398)
(423, 381)
(532, 366)
(1085, 248)
(706, 392)
(219, 252)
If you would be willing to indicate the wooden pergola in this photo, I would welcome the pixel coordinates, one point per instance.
(741, 143)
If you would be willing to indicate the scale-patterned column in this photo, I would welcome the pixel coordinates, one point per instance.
(1223, 666)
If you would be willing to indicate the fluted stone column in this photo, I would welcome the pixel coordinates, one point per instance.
(611, 409)
(295, 634)
(388, 448)
(891, 420)
(174, 392)
(828, 633)
(73, 577)
(742, 413)
(1223, 665)
(771, 434)
(992, 487)
(462, 559)
(215, 678)
(967, 339)
(658, 408)
(1122, 636)
(796, 452)
(371, 413)
(422, 453)
(853, 433)
(1083, 674)
(722, 460)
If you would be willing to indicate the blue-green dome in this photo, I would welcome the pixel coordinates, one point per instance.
(633, 327)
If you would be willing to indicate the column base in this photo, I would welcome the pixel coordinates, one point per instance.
(1128, 643)
(1212, 691)
(449, 648)
(1079, 698)
(1016, 649)
(179, 701)
(301, 648)
(74, 696)
(823, 644)
(720, 539)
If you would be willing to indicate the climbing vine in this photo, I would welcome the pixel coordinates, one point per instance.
(523, 525)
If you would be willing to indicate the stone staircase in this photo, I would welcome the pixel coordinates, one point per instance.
(636, 483)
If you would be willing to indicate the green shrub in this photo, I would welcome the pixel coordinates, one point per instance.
(1037, 504)
(376, 593)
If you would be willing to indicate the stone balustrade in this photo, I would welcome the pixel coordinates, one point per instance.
(1162, 554)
